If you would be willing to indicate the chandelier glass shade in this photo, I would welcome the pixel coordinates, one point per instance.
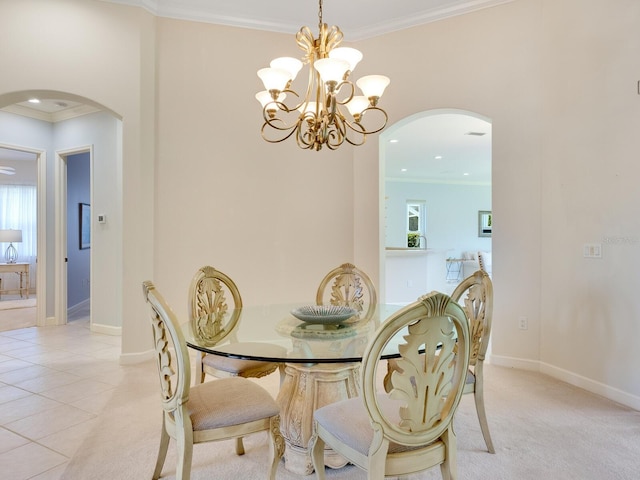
(330, 112)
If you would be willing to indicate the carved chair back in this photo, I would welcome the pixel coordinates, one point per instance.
(478, 305)
(171, 353)
(348, 286)
(428, 385)
(214, 303)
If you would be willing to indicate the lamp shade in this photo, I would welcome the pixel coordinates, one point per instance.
(274, 78)
(8, 236)
(350, 55)
(358, 104)
(373, 85)
(288, 64)
(331, 69)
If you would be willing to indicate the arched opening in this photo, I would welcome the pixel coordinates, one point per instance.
(436, 171)
(65, 123)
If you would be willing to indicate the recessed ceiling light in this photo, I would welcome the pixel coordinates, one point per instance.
(34, 100)
(438, 157)
(403, 170)
(395, 140)
(466, 174)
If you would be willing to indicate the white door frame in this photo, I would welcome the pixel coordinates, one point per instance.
(60, 189)
(41, 259)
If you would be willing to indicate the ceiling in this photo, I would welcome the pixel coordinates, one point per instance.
(358, 19)
(465, 158)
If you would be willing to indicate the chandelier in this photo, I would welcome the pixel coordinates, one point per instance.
(330, 112)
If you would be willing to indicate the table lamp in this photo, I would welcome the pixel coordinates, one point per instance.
(11, 254)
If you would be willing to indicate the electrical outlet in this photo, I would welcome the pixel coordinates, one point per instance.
(523, 323)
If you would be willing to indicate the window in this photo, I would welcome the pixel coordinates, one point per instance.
(18, 212)
(416, 224)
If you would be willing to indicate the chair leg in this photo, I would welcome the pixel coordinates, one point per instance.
(478, 396)
(199, 376)
(449, 468)
(239, 446)
(316, 447)
(276, 446)
(281, 367)
(162, 451)
(185, 452)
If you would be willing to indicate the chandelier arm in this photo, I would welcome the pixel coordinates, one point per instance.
(278, 140)
(384, 124)
(351, 93)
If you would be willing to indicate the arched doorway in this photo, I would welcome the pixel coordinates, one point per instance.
(78, 123)
(436, 163)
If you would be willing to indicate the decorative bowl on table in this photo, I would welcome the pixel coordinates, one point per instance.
(327, 314)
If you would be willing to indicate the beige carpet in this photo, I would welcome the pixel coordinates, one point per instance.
(541, 428)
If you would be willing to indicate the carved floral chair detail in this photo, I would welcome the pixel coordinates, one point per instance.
(409, 429)
(477, 302)
(219, 410)
(213, 317)
(348, 286)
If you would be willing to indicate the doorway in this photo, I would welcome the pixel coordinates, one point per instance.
(442, 159)
(21, 213)
(77, 185)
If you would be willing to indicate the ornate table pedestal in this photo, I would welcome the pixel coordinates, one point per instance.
(305, 389)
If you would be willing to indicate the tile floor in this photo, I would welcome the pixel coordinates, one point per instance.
(49, 395)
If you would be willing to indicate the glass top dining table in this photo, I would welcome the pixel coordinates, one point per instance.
(272, 333)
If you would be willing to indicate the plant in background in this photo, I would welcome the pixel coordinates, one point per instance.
(413, 240)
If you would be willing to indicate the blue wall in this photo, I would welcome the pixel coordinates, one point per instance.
(78, 191)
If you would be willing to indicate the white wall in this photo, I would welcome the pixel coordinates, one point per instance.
(557, 78)
(451, 218)
(101, 131)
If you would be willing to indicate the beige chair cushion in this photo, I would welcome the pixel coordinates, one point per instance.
(245, 368)
(215, 404)
(349, 421)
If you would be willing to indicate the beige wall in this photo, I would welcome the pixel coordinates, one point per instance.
(102, 54)
(557, 79)
(273, 217)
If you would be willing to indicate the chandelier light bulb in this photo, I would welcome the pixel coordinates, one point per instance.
(373, 85)
(265, 98)
(288, 64)
(274, 78)
(349, 55)
(331, 69)
(357, 105)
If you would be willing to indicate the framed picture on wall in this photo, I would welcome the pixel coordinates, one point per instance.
(85, 226)
(484, 223)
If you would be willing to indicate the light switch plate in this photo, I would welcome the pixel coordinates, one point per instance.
(592, 250)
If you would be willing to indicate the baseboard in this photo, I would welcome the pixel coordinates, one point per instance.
(606, 391)
(106, 329)
(79, 306)
(134, 358)
(592, 386)
(513, 362)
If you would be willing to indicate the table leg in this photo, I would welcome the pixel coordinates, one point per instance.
(304, 389)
